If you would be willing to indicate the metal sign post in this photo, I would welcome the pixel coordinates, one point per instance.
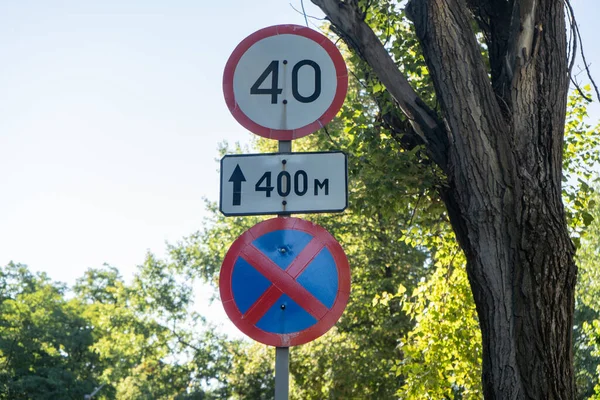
(285, 146)
(282, 373)
(282, 354)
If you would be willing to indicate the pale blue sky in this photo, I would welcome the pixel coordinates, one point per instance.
(110, 115)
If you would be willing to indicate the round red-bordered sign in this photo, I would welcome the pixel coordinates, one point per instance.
(285, 282)
(285, 82)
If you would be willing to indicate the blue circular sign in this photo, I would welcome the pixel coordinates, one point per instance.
(285, 282)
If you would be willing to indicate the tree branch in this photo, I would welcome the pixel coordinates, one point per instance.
(522, 32)
(348, 22)
(493, 18)
(471, 111)
(577, 38)
(390, 114)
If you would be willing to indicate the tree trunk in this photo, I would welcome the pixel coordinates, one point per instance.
(500, 145)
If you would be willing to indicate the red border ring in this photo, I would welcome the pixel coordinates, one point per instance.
(321, 326)
(285, 134)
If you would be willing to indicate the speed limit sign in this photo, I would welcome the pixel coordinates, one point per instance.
(285, 82)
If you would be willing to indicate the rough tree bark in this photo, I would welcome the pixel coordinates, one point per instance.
(499, 141)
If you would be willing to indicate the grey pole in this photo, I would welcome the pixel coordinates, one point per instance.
(285, 146)
(282, 354)
(282, 373)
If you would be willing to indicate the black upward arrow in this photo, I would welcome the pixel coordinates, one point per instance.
(237, 178)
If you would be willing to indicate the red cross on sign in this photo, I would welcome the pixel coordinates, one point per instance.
(285, 282)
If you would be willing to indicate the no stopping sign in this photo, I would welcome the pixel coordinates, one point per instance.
(285, 282)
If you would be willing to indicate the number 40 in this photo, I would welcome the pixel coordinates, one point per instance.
(274, 91)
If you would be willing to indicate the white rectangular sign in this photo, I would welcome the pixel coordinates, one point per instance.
(282, 183)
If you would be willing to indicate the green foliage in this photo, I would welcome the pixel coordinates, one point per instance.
(43, 340)
(442, 354)
(580, 156)
(389, 22)
(397, 190)
(588, 378)
(139, 340)
(587, 310)
(252, 374)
